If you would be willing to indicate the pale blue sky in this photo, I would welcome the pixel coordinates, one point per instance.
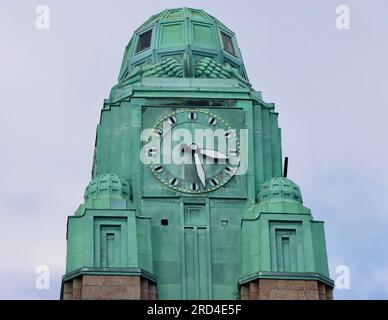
(329, 87)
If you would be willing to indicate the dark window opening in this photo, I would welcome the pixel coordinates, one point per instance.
(227, 42)
(144, 41)
(164, 222)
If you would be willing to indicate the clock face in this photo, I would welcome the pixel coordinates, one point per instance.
(193, 151)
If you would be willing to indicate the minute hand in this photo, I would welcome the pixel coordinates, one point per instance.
(199, 169)
(213, 154)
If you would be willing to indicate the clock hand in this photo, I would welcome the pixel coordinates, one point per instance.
(213, 154)
(184, 147)
(199, 168)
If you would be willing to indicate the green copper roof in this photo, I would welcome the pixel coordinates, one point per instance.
(179, 39)
(279, 189)
(107, 186)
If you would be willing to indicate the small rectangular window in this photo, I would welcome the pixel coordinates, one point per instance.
(144, 41)
(227, 42)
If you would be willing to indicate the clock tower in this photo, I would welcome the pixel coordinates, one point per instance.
(187, 198)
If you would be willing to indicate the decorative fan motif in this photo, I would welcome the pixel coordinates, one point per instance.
(165, 69)
(208, 68)
(172, 68)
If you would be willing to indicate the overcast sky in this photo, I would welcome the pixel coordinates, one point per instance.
(329, 87)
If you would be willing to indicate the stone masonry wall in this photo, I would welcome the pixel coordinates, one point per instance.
(107, 287)
(282, 289)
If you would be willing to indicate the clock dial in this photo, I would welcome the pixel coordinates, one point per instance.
(193, 151)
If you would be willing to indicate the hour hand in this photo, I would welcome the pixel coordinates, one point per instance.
(213, 154)
(184, 147)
